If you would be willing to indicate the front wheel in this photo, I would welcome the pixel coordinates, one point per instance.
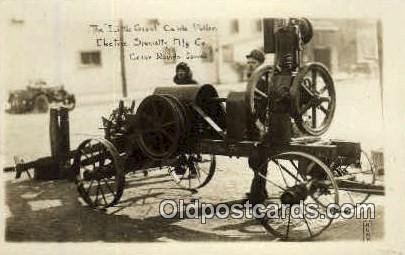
(298, 189)
(99, 173)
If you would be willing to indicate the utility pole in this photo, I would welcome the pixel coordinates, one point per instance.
(122, 58)
(380, 60)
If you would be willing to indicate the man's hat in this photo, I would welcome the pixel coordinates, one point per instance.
(256, 54)
(183, 66)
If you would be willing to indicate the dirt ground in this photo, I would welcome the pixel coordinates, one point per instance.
(52, 211)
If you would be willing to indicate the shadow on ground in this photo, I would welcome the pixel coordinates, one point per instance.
(70, 221)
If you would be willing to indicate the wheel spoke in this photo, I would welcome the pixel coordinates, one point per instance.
(309, 167)
(271, 182)
(88, 189)
(309, 229)
(287, 171)
(281, 172)
(351, 198)
(102, 194)
(169, 123)
(161, 144)
(198, 171)
(260, 93)
(167, 135)
(109, 187)
(325, 99)
(308, 90)
(97, 191)
(314, 77)
(323, 109)
(313, 117)
(306, 107)
(289, 220)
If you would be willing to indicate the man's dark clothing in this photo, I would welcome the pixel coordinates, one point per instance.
(186, 81)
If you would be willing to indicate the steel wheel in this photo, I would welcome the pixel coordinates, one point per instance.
(294, 178)
(314, 99)
(193, 171)
(161, 125)
(99, 174)
(352, 178)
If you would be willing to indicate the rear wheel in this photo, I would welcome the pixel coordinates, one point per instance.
(353, 179)
(193, 171)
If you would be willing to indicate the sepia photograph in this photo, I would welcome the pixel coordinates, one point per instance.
(168, 129)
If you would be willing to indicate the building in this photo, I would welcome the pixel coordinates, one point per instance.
(345, 45)
(81, 48)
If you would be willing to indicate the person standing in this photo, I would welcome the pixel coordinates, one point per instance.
(278, 132)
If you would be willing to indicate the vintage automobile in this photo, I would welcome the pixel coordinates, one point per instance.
(37, 97)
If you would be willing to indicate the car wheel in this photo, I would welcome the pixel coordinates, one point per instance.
(41, 104)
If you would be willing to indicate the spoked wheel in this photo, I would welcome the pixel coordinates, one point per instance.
(193, 171)
(99, 174)
(257, 95)
(161, 125)
(353, 178)
(15, 104)
(313, 99)
(299, 187)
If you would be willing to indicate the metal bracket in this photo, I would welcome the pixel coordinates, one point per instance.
(208, 119)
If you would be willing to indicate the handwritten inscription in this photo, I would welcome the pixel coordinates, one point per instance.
(139, 42)
(111, 28)
(156, 41)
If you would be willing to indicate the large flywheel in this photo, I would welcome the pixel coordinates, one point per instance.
(313, 99)
(160, 126)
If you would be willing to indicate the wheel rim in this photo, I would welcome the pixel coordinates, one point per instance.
(292, 174)
(161, 125)
(193, 171)
(314, 99)
(99, 175)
